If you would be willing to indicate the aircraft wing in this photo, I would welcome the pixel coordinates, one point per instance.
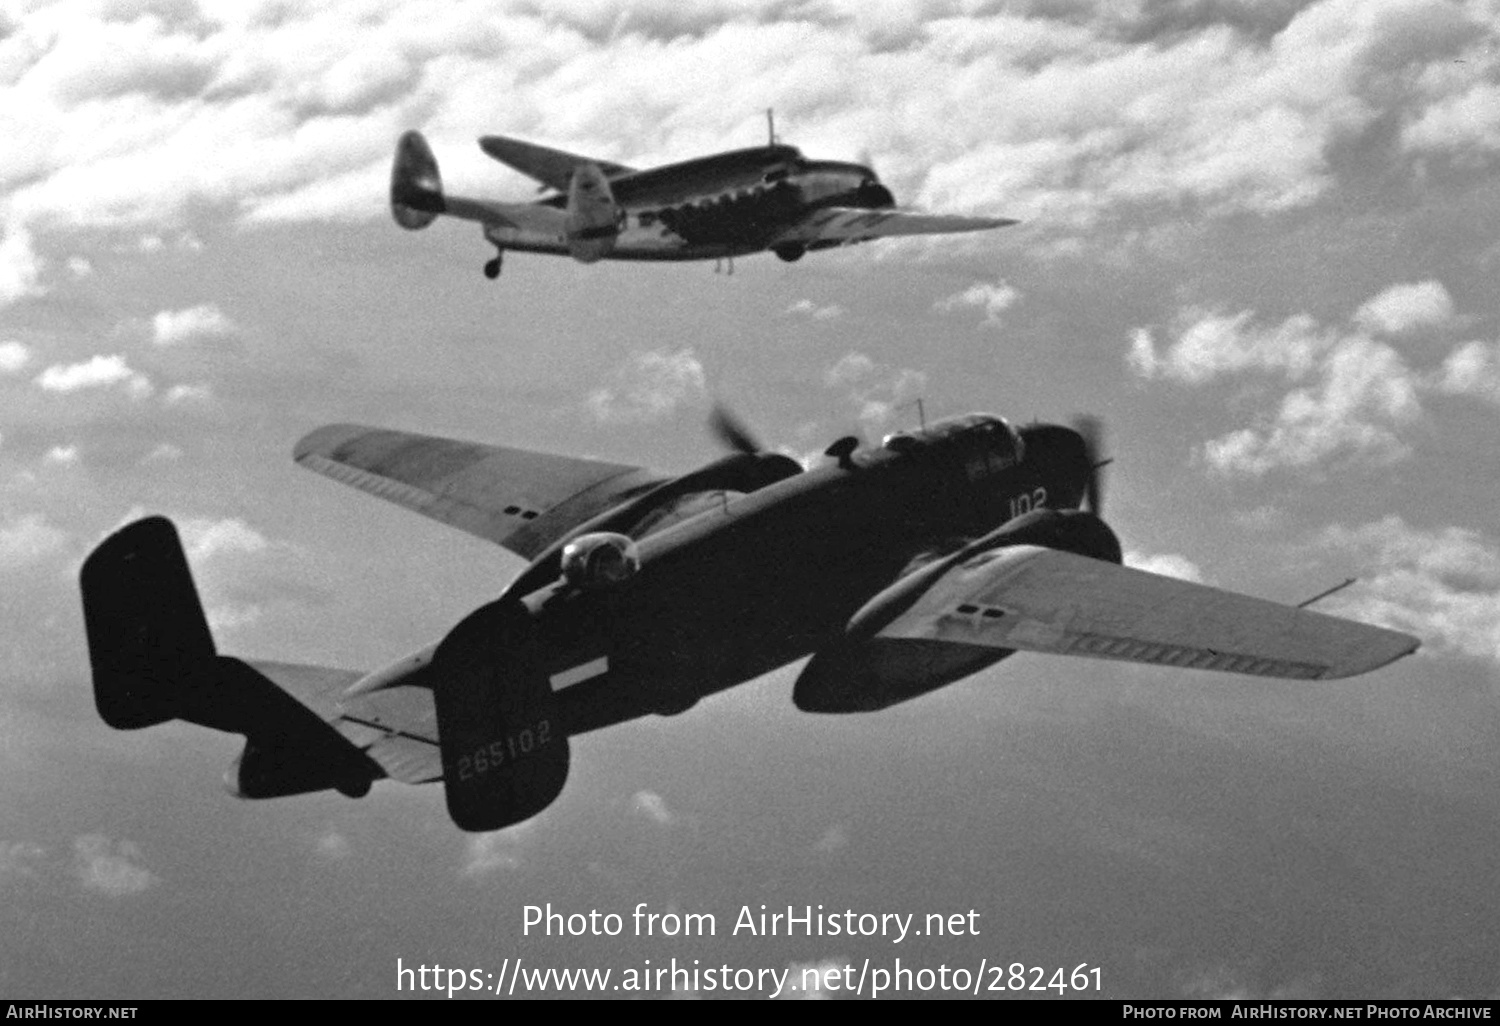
(850, 225)
(396, 727)
(553, 168)
(1043, 600)
(516, 498)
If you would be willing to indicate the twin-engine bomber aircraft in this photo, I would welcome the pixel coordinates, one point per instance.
(721, 206)
(899, 569)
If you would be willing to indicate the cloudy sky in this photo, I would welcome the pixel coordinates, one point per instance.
(1259, 240)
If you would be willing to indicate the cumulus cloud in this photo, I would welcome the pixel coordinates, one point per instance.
(1404, 307)
(179, 394)
(62, 455)
(879, 390)
(20, 266)
(13, 357)
(1070, 112)
(1364, 394)
(1473, 369)
(654, 807)
(98, 372)
(495, 852)
(1169, 564)
(242, 574)
(29, 539)
(1210, 345)
(1441, 584)
(1355, 394)
(111, 868)
(650, 386)
(807, 308)
(992, 299)
(171, 327)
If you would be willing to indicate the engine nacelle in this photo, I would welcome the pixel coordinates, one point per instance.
(593, 215)
(594, 562)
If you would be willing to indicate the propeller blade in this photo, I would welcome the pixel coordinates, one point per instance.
(731, 431)
(1091, 429)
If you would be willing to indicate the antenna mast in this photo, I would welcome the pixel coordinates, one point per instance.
(771, 125)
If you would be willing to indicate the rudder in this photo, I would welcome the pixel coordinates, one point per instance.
(504, 747)
(148, 638)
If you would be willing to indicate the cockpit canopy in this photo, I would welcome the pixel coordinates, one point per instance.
(993, 435)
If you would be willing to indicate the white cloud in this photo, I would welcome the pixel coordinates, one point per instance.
(205, 539)
(1210, 345)
(807, 308)
(1404, 307)
(991, 298)
(850, 368)
(650, 386)
(1169, 564)
(879, 390)
(29, 539)
(98, 372)
(1442, 584)
(1472, 369)
(654, 807)
(493, 852)
(20, 266)
(1364, 394)
(165, 452)
(171, 327)
(80, 267)
(13, 357)
(1356, 396)
(242, 574)
(177, 394)
(1065, 116)
(62, 455)
(110, 868)
(1460, 122)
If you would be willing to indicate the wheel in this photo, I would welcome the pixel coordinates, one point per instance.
(492, 268)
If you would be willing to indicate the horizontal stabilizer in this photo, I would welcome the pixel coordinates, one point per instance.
(153, 660)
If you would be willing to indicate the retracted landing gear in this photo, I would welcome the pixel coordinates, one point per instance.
(492, 266)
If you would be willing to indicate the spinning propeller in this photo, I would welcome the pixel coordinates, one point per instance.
(732, 432)
(1091, 429)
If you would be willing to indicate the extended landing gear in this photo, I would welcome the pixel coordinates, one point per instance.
(492, 266)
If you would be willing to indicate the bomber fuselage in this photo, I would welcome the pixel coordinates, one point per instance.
(758, 580)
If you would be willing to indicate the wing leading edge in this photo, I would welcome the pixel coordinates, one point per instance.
(553, 168)
(849, 225)
(1043, 600)
(516, 498)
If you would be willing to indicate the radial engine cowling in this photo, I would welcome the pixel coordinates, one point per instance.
(600, 560)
